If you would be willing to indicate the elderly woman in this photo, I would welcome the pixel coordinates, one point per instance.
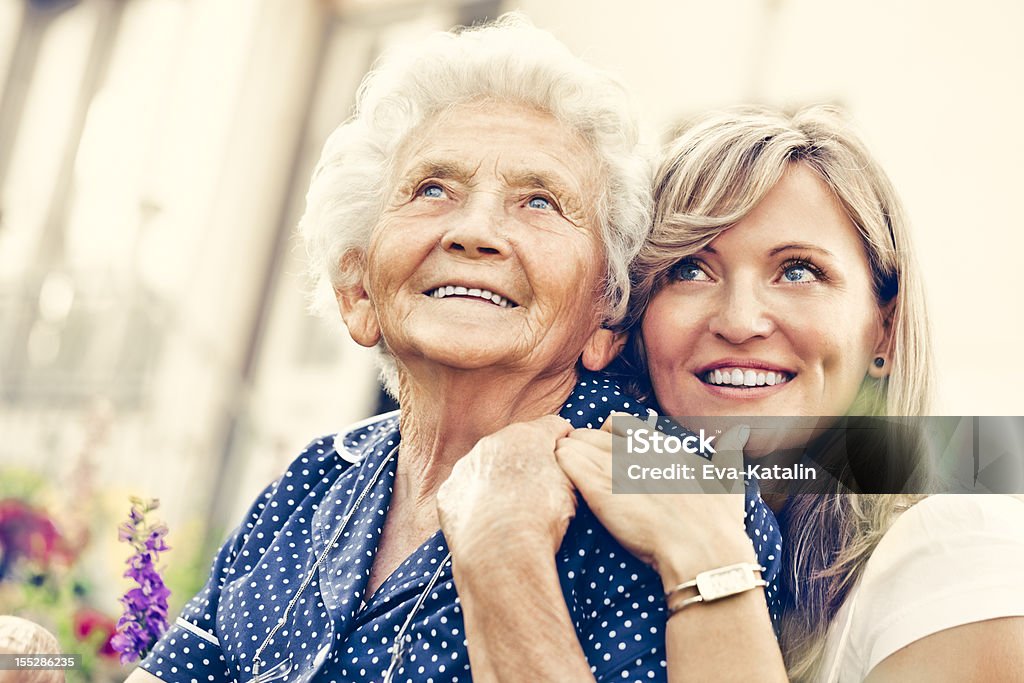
(474, 220)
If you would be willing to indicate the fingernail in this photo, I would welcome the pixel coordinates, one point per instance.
(744, 434)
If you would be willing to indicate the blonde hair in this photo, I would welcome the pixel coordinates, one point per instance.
(23, 637)
(712, 175)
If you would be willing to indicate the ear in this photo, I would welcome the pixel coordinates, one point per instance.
(354, 303)
(602, 348)
(883, 345)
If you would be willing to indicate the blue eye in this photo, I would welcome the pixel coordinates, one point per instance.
(433, 191)
(540, 203)
(689, 271)
(799, 273)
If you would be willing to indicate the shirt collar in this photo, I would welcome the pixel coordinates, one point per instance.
(590, 402)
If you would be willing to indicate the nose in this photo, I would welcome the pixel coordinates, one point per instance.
(476, 230)
(742, 315)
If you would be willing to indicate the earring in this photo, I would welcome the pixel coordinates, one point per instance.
(879, 362)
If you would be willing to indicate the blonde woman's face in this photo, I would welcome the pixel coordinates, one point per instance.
(776, 317)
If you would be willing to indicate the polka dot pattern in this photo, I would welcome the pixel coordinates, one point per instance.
(314, 621)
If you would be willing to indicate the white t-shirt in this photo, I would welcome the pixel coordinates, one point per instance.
(947, 561)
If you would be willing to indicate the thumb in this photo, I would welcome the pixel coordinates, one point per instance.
(556, 427)
(620, 423)
(729, 454)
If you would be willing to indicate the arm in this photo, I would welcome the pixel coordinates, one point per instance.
(727, 640)
(941, 598)
(991, 650)
(504, 511)
(142, 676)
(517, 624)
(681, 536)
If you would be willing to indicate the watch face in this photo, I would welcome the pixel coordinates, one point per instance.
(720, 583)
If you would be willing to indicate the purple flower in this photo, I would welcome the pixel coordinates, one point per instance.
(155, 542)
(135, 600)
(130, 640)
(136, 515)
(145, 608)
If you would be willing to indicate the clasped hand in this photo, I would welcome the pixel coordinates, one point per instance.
(517, 488)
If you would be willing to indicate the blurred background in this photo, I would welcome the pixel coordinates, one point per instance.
(154, 156)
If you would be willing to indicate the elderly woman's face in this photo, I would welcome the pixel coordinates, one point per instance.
(777, 317)
(488, 251)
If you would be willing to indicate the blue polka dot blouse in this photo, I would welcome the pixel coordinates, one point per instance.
(288, 585)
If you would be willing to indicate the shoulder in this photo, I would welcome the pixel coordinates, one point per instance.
(322, 465)
(965, 510)
(951, 528)
(349, 446)
(594, 397)
(947, 561)
(945, 542)
(355, 442)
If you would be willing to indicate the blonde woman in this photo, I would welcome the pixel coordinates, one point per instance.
(779, 280)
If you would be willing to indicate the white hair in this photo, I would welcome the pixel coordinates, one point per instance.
(510, 61)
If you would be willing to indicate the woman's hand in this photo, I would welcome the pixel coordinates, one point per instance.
(678, 534)
(508, 490)
(681, 535)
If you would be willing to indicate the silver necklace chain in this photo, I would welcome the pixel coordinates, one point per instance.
(256, 661)
(398, 645)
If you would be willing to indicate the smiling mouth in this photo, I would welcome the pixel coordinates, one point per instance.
(744, 377)
(446, 291)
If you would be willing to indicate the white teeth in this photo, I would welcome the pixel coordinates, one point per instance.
(744, 377)
(458, 290)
